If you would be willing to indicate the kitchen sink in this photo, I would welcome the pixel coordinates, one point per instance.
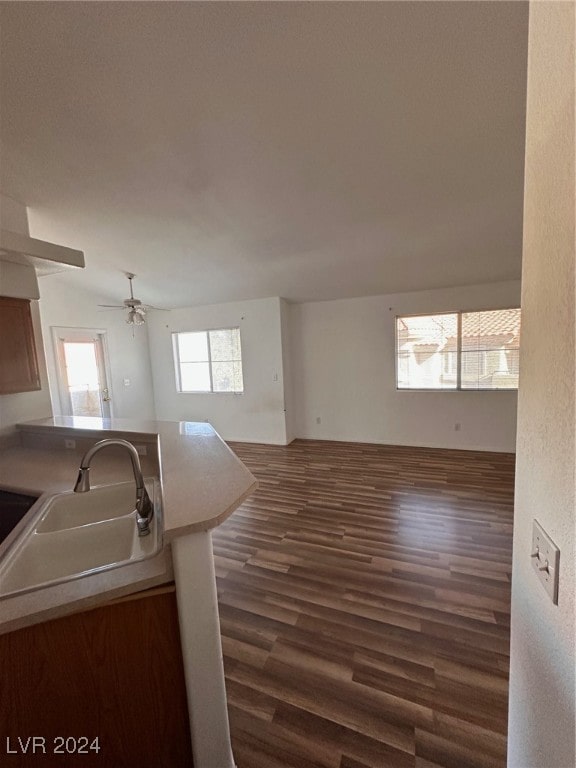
(75, 535)
(71, 510)
(13, 507)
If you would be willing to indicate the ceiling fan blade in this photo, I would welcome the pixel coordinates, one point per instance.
(134, 307)
(157, 309)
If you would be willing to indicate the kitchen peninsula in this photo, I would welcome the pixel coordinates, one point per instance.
(202, 482)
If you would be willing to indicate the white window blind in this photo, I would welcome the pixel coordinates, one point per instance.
(490, 349)
(458, 350)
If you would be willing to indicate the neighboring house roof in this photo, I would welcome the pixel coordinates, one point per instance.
(502, 322)
(401, 324)
(495, 329)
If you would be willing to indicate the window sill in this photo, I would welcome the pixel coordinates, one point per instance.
(204, 392)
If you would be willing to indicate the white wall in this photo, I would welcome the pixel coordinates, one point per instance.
(13, 215)
(287, 374)
(19, 280)
(343, 370)
(67, 306)
(542, 683)
(257, 415)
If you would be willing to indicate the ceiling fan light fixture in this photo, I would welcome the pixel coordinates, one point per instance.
(135, 318)
(136, 311)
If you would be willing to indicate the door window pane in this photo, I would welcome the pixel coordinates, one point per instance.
(82, 378)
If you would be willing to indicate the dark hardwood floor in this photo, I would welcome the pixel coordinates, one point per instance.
(364, 597)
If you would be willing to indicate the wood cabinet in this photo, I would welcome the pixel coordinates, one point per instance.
(18, 362)
(114, 672)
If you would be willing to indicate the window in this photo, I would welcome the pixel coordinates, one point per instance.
(208, 361)
(458, 350)
(450, 364)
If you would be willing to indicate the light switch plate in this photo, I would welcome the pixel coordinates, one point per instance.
(545, 560)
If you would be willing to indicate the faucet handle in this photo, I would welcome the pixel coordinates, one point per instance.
(83, 480)
(144, 512)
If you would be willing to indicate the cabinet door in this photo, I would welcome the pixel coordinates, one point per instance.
(114, 673)
(18, 363)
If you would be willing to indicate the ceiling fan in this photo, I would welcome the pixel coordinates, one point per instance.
(136, 309)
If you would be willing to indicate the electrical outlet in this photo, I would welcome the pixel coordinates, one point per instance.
(71, 444)
(142, 450)
(545, 560)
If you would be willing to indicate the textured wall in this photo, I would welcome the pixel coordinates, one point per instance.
(257, 415)
(542, 682)
(287, 373)
(64, 305)
(344, 373)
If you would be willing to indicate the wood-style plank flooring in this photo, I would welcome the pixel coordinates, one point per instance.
(364, 597)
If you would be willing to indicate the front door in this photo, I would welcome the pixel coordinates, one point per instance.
(83, 379)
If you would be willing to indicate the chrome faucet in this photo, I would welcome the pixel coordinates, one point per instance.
(144, 507)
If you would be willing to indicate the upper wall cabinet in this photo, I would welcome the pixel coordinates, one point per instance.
(18, 362)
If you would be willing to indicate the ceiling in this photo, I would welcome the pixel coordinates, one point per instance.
(226, 151)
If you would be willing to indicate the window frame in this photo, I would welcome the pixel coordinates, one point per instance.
(178, 362)
(453, 359)
(458, 387)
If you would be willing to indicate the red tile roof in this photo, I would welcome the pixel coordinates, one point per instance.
(500, 328)
(493, 323)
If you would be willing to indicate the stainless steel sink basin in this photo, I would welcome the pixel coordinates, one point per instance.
(71, 510)
(75, 535)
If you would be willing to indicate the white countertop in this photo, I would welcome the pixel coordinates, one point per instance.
(202, 484)
(203, 481)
